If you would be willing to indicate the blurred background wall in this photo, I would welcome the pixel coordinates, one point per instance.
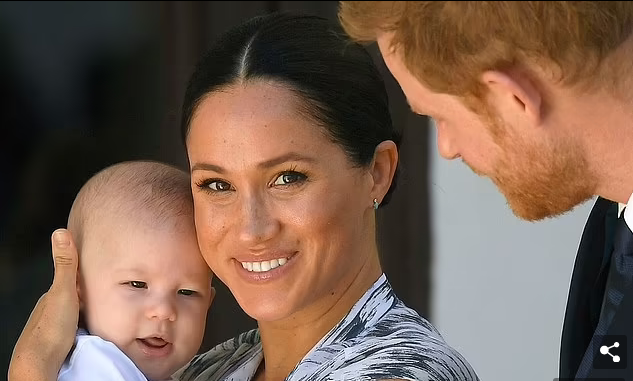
(87, 84)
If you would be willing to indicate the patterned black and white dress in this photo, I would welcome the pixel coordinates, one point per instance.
(379, 339)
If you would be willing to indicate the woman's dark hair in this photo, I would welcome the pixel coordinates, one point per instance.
(335, 79)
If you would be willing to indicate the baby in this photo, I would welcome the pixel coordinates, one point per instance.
(144, 288)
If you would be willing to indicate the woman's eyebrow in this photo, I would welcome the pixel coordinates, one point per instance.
(290, 156)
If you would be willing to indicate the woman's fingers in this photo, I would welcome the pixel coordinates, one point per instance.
(50, 331)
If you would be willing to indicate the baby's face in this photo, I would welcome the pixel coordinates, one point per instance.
(147, 290)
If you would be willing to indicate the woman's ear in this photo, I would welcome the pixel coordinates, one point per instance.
(383, 169)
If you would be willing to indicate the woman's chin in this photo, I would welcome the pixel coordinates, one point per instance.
(269, 311)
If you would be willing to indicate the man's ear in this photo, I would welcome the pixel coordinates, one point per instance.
(383, 168)
(514, 93)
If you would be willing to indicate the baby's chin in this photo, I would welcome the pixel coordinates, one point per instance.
(153, 373)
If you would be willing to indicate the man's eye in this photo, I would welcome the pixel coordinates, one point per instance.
(138, 284)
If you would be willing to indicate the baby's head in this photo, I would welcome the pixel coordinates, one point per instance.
(143, 283)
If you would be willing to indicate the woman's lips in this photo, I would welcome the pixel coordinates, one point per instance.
(264, 270)
(263, 265)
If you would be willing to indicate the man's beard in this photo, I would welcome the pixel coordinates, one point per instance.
(541, 181)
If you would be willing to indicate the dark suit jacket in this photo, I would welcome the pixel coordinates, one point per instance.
(586, 295)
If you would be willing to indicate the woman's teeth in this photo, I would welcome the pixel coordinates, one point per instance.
(264, 266)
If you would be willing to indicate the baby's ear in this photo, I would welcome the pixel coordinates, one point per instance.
(79, 290)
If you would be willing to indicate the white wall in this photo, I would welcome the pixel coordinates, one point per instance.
(499, 284)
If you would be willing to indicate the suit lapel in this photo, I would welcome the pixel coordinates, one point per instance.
(586, 289)
(622, 325)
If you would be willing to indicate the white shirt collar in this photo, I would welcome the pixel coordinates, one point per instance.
(628, 213)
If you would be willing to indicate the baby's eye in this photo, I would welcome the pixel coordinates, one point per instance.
(138, 284)
(187, 292)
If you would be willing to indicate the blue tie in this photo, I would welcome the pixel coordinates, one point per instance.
(619, 280)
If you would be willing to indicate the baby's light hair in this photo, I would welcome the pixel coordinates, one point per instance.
(152, 192)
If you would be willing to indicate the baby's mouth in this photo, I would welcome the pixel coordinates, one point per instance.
(154, 342)
(155, 347)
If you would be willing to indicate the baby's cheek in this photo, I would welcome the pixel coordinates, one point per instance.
(98, 322)
(112, 323)
(194, 327)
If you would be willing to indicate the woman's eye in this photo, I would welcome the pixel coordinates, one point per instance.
(138, 284)
(187, 292)
(291, 177)
(219, 185)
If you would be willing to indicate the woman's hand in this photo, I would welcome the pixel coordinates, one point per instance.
(50, 331)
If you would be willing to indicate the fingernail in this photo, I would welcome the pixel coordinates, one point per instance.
(61, 238)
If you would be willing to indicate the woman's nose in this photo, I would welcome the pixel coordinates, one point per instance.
(257, 224)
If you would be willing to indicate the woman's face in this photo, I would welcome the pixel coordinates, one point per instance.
(283, 217)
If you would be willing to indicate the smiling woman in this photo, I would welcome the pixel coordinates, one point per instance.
(270, 186)
(291, 147)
